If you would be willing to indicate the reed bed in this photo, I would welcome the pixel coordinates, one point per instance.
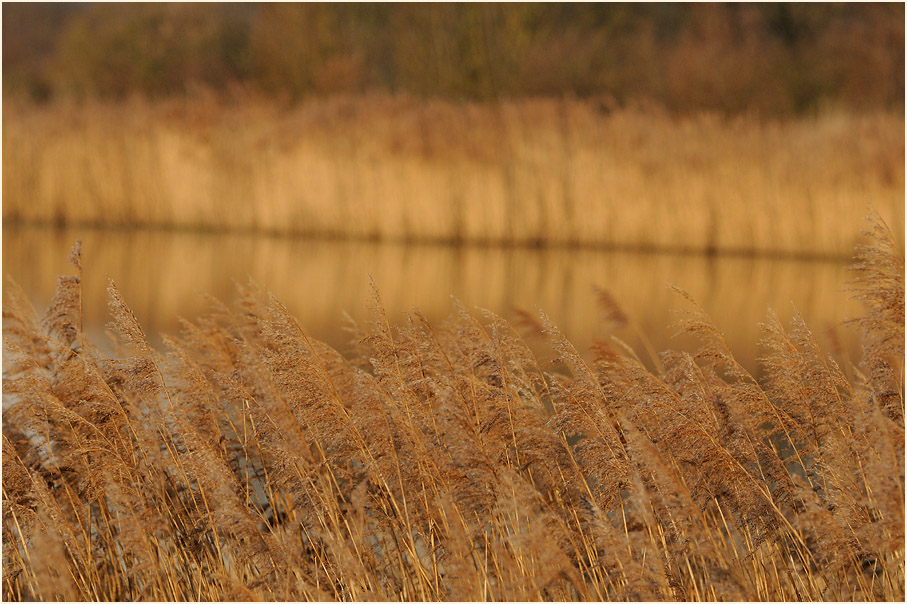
(448, 461)
(527, 172)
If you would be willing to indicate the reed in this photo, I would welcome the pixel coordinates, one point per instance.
(527, 172)
(447, 461)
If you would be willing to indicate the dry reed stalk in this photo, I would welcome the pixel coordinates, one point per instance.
(445, 461)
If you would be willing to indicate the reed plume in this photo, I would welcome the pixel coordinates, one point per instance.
(451, 461)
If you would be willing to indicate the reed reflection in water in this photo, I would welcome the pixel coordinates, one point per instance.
(163, 275)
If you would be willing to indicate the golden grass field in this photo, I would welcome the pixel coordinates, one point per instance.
(447, 461)
(521, 172)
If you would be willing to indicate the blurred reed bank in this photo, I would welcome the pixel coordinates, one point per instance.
(536, 172)
(513, 155)
(759, 129)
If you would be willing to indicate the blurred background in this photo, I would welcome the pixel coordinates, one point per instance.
(516, 156)
(775, 58)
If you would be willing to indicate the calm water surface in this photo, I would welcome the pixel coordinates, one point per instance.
(163, 276)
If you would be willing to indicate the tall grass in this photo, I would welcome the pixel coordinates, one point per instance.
(447, 461)
(392, 168)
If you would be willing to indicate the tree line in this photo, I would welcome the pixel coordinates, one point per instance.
(771, 58)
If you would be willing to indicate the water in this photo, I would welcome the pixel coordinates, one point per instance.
(163, 275)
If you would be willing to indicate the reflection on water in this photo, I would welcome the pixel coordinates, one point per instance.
(162, 276)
